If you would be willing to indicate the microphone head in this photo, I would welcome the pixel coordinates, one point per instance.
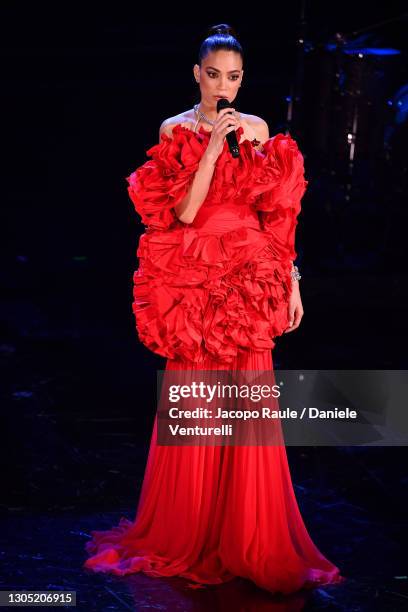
(223, 103)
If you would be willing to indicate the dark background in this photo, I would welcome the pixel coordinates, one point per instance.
(84, 91)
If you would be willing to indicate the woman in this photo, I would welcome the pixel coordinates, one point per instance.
(215, 285)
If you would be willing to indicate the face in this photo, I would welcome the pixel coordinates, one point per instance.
(220, 75)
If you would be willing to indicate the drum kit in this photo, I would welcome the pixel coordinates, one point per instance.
(355, 106)
(348, 109)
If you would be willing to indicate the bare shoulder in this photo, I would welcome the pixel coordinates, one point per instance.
(258, 125)
(168, 124)
(254, 126)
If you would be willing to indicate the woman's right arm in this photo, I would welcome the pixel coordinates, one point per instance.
(189, 206)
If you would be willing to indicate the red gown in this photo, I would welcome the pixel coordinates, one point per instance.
(213, 295)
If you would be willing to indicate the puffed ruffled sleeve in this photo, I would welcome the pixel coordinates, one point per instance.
(162, 182)
(279, 195)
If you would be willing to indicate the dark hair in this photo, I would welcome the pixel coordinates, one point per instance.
(221, 36)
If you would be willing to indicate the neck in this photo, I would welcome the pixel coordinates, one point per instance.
(209, 111)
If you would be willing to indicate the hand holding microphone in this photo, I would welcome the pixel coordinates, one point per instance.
(224, 127)
(231, 136)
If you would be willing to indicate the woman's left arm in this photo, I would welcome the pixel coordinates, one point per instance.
(295, 306)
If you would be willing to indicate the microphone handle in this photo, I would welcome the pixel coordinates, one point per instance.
(233, 143)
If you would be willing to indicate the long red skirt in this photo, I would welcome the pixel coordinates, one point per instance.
(212, 513)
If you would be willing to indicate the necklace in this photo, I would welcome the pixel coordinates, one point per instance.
(201, 115)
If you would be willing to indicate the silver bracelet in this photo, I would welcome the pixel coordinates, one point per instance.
(295, 273)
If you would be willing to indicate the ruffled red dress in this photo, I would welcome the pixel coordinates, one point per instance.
(213, 295)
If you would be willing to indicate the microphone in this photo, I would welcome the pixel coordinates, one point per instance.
(231, 136)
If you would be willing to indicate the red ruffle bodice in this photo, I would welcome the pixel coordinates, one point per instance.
(222, 283)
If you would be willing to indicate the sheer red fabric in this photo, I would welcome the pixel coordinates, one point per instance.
(214, 295)
(211, 513)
